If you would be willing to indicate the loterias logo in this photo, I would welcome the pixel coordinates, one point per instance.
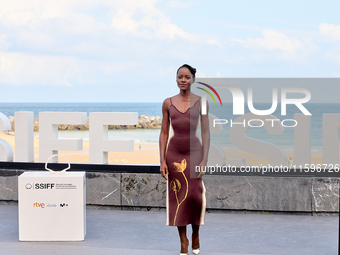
(28, 186)
(43, 205)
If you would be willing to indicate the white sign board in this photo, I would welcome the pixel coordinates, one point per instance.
(52, 207)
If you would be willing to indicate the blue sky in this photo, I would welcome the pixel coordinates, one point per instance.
(129, 51)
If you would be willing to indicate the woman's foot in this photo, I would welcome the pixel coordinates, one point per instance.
(185, 246)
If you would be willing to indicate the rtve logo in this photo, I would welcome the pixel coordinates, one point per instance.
(39, 205)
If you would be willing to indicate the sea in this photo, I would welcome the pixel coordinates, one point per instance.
(150, 136)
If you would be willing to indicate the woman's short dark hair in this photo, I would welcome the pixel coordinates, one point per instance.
(191, 69)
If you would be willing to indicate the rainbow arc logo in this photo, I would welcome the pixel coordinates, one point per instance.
(209, 93)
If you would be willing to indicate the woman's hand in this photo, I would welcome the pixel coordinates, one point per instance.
(164, 170)
(202, 166)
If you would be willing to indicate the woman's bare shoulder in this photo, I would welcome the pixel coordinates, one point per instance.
(166, 103)
(194, 97)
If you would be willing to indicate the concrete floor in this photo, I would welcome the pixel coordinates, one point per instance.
(141, 232)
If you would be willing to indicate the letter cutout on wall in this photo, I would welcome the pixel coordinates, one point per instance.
(296, 101)
(6, 151)
(239, 138)
(302, 140)
(100, 145)
(330, 138)
(216, 153)
(24, 137)
(49, 144)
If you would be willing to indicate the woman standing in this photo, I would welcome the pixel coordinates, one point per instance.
(179, 159)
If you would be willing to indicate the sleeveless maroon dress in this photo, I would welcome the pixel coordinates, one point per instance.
(186, 202)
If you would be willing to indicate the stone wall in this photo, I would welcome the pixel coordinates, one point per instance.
(251, 193)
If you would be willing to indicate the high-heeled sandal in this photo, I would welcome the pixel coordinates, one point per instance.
(196, 251)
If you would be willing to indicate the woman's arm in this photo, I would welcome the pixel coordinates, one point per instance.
(163, 138)
(205, 133)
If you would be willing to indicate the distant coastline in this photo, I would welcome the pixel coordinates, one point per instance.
(144, 122)
(148, 109)
(149, 113)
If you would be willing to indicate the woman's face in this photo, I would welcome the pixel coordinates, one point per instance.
(184, 79)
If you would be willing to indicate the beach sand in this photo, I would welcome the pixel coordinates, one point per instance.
(147, 154)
